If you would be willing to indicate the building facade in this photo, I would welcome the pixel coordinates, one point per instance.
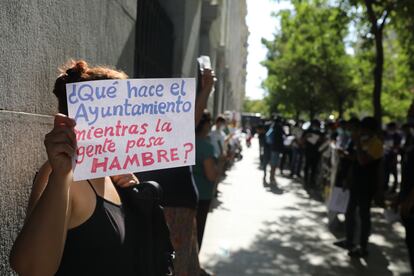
(35, 38)
(227, 46)
(216, 28)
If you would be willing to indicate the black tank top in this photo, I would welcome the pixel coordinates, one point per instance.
(105, 244)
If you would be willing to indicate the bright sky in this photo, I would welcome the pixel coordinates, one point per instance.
(261, 25)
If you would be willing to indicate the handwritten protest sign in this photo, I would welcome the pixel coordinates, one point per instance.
(132, 125)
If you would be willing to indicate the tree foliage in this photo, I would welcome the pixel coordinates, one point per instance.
(310, 72)
(385, 55)
(308, 68)
(398, 83)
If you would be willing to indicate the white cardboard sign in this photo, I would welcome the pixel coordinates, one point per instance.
(132, 125)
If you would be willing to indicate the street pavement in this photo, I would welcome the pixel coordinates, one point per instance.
(254, 229)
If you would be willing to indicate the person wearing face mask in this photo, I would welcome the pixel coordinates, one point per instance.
(344, 175)
(366, 179)
(345, 151)
(217, 136)
(343, 134)
(297, 151)
(312, 139)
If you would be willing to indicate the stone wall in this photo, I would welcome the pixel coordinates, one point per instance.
(35, 38)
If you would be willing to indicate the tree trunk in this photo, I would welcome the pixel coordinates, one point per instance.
(377, 30)
(379, 66)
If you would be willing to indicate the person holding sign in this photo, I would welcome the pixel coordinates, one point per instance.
(75, 228)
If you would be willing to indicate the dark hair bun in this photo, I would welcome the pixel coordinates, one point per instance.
(77, 69)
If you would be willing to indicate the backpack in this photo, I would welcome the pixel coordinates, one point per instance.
(156, 253)
(269, 136)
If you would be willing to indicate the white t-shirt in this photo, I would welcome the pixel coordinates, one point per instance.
(217, 137)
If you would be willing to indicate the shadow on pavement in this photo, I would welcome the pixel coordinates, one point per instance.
(293, 245)
(272, 188)
(217, 204)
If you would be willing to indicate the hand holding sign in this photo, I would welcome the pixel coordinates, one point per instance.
(132, 125)
(61, 144)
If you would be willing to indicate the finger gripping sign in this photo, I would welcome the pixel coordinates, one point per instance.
(132, 125)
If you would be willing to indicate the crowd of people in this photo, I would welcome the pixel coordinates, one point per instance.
(217, 147)
(356, 155)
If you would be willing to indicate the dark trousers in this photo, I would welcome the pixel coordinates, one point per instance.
(409, 238)
(311, 166)
(261, 150)
(286, 157)
(266, 159)
(390, 164)
(296, 164)
(361, 200)
(202, 212)
(261, 153)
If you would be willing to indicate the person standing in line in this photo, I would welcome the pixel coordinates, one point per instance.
(312, 139)
(407, 189)
(366, 181)
(219, 141)
(218, 137)
(344, 136)
(345, 174)
(288, 138)
(344, 141)
(261, 134)
(405, 198)
(392, 143)
(265, 149)
(276, 147)
(180, 195)
(206, 173)
(297, 151)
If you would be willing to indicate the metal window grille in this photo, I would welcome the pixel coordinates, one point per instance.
(154, 41)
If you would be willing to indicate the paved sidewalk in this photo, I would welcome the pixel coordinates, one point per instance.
(256, 230)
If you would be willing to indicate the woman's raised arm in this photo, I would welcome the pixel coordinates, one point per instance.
(39, 247)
